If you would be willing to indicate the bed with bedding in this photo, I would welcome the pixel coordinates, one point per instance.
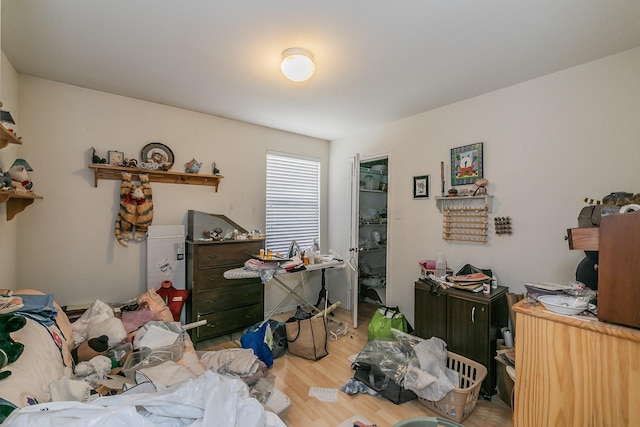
(146, 372)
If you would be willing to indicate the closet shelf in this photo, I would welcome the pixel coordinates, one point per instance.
(168, 177)
(17, 202)
(381, 221)
(373, 249)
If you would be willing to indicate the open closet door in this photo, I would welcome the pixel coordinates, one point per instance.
(354, 236)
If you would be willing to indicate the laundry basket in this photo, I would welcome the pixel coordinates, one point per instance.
(458, 404)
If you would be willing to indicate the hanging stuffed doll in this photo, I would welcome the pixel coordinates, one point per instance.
(136, 209)
(127, 212)
(144, 209)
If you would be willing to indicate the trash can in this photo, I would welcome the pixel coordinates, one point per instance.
(427, 422)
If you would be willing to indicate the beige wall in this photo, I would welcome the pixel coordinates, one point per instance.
(8, 229)
(548, 143)
(66, 242)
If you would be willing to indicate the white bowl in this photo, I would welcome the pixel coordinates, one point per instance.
(563, 304)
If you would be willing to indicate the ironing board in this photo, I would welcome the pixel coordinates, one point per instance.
(244, 273)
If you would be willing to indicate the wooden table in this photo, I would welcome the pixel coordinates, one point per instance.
(574, 372)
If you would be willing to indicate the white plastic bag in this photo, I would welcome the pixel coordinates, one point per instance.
(210, 400)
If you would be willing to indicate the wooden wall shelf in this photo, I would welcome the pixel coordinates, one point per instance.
(7, 137)
(115, 173)
(465, 203)
(17, 202)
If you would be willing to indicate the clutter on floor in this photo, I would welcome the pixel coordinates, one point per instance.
(408, 367)
(134, 365)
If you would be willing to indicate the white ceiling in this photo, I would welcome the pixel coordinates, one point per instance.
(376, 60)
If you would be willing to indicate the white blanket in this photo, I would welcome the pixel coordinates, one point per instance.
(210, 400)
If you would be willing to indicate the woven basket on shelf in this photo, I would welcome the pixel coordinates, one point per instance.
(458, 404)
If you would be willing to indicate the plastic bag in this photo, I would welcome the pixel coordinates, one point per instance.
(391, 357)
(147, 357)
(428, 375)
(254, 338)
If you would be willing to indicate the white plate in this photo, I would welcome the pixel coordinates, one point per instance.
(563, 304)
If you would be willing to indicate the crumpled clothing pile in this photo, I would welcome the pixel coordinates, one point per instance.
(239, 363)
(266, 269)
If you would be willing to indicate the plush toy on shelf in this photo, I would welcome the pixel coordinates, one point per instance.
(20, 179)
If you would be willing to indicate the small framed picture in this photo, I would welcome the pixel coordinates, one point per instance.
(421, 187)
(115, 158)
(466, 164)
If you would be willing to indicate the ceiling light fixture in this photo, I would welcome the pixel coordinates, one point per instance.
(297, 64)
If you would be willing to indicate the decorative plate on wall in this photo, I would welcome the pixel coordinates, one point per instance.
(157, 153)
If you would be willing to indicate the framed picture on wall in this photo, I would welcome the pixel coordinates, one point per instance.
(115, 158)
(466, 164)
(421, 187)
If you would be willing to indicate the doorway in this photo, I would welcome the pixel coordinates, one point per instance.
(369, 232)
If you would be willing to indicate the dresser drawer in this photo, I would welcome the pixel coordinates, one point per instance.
(229, 298)
(227, 254)
(228, 321)
(213, 278)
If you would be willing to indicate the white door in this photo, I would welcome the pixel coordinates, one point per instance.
(354, 236)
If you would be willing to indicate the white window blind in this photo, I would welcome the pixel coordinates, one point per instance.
(293, 202)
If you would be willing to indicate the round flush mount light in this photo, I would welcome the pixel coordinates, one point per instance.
(297, 64)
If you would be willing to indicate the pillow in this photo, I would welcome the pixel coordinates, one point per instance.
(63, 324)
(39, 365)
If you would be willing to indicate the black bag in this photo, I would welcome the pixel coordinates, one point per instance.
(373, 377)
(279, 334)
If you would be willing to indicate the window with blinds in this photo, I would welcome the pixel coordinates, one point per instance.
(293, 202)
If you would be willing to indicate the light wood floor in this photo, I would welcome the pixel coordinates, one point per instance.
(295, 376)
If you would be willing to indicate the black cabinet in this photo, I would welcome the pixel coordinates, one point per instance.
(468, 322)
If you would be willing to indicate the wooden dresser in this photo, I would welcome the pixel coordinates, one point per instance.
(573, 372)
(226, 305)
(468, 322)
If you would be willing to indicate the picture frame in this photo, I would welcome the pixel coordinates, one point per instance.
(115, 158)
(466, 164)
(422, 187)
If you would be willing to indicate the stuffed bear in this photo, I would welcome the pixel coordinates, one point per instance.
(9, 349)
(90, 348)
(20, 179)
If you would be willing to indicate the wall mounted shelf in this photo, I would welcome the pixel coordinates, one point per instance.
(7, 137)
(115, 173)
(464, 203)
(17, 202)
